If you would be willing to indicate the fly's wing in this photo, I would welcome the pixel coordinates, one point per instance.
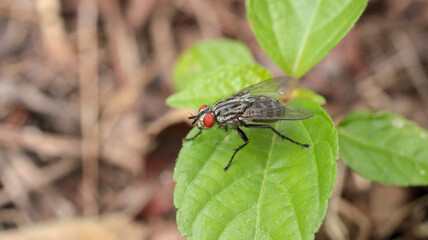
(294, 112)
(273, 87)
(269, 110)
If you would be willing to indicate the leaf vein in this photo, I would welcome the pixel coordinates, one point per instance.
(262, 187)
(314, 159)
(378, 147)
(327, 41)
(206, 204)
(213, 153)
(304, 40)
(231, 221)
(276, 37)
(290, 200)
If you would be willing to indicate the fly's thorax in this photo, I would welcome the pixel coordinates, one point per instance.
(228, 110)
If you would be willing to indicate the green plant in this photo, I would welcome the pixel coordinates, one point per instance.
(275, 190)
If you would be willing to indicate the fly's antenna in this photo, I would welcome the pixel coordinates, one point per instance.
(192, 116)
(195, 117)
(189, 113)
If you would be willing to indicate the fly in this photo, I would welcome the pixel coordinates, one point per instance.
(256, 103)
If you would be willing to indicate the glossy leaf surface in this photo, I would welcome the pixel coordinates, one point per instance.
(204, 57)
(298, 34)
(219, 83)
(274, 189)
(385, 147)
(308, 94)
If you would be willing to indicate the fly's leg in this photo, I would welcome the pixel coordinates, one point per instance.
(197, 134)
(244, 137)
(275, 131)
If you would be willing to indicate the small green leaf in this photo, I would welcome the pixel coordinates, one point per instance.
(203, 57)
(385, 147)
(219, 83)
(274, 189)
(308, 94)
(298, 34)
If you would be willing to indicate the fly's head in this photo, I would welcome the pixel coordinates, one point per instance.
(205, 117)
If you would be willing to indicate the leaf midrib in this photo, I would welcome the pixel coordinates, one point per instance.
(332, 36)
(377, 147)
(213, 153)
(305, 39)
(262, 188)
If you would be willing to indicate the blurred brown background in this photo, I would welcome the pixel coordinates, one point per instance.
(88, 147)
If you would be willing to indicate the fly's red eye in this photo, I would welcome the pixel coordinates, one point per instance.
(202, 107)
(208, 120)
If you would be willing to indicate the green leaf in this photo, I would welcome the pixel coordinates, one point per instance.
(308, 94)
(298, 34)
(203, 57)
(219, 83)
(385, 148)
(274, 189)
